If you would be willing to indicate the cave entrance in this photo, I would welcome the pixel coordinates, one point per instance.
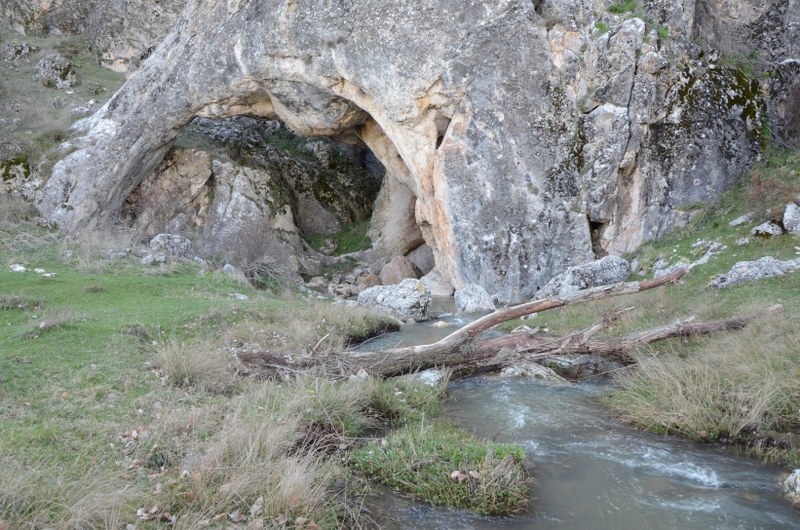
(251, 189)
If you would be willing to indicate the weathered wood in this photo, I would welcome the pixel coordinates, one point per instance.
(453, 348)
(498, 352)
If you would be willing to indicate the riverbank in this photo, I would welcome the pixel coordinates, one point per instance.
(122, 400)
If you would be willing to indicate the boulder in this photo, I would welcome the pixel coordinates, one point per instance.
(751, 271)
(791, 217)
(17, 53)
(367, 281)
(768, 229)
(533, 371)
(473, 299)
(173, 245)
(792, 486)
(437, 284)
(410, 299)
(56, 71)
(610, 269)
(397, 270)
(422, 258)
(154, 259)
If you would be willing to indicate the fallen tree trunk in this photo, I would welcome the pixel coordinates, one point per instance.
(456, 347)
(496, 353)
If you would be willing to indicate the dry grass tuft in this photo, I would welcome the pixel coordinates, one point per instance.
(734, 384)
(40, 497)
(25, 303)
(54, 320)
(201, 363)
(319, 329)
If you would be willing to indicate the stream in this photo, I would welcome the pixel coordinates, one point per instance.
(590, 471)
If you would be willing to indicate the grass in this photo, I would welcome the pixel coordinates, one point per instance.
(38, 116)
(128, 408)
(487, 478)
(351, 238)
(619, 8)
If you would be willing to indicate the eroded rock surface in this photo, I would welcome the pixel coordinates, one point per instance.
(751, 271)
(530, 137)
(608, 270)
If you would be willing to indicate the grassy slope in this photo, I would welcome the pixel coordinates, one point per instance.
(46, 112)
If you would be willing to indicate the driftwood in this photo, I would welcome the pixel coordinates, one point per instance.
(462, 351)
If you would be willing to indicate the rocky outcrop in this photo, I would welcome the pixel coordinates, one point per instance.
(123, 33)
(397, 270)
(751, 271)
(532, 136)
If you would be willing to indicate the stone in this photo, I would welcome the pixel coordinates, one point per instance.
(473, 299)
(172, 244)
(791, 217)
(318, 283)
(751, 271)
(742, 241)
(359, 377)
(232, 270)
(667, 270)
(422, 258)
(410, 299)
(368, 280)
(56, 71)
(17, 53)
(533, 371)
(16, 267)
(608, 270)
(437, 285)
(768, 229)
(397, 270)
(791, 486)
(742, 219)
(154, 259)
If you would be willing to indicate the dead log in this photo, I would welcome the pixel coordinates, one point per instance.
(456, 347)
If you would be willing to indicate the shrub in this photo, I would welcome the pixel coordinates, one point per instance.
(619, 8)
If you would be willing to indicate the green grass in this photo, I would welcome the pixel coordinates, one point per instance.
(619, 8)
(45, 113)
(442, 465)
(119, 392)
(351, 238)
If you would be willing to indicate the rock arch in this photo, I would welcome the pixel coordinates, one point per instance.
(473, 107)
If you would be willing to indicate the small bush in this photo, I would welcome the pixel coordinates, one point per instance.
(619, 8)
(53, 321)
(24, 303)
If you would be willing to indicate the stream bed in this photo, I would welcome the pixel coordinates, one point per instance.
(590, 471)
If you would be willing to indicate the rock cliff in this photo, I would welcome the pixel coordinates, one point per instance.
(518, 137)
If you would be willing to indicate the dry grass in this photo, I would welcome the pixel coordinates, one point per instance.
(319, 329)
(269, 455)
(54, 320)
(199, 363)
(24, 303)
(732, 384)
(41, 497)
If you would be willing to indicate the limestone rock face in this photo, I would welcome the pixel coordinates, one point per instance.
(518, 138)
(791, 217)
(124, 32)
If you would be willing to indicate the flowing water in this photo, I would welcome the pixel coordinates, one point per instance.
(591, 472)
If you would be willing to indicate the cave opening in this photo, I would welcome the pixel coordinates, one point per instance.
(252, 191)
